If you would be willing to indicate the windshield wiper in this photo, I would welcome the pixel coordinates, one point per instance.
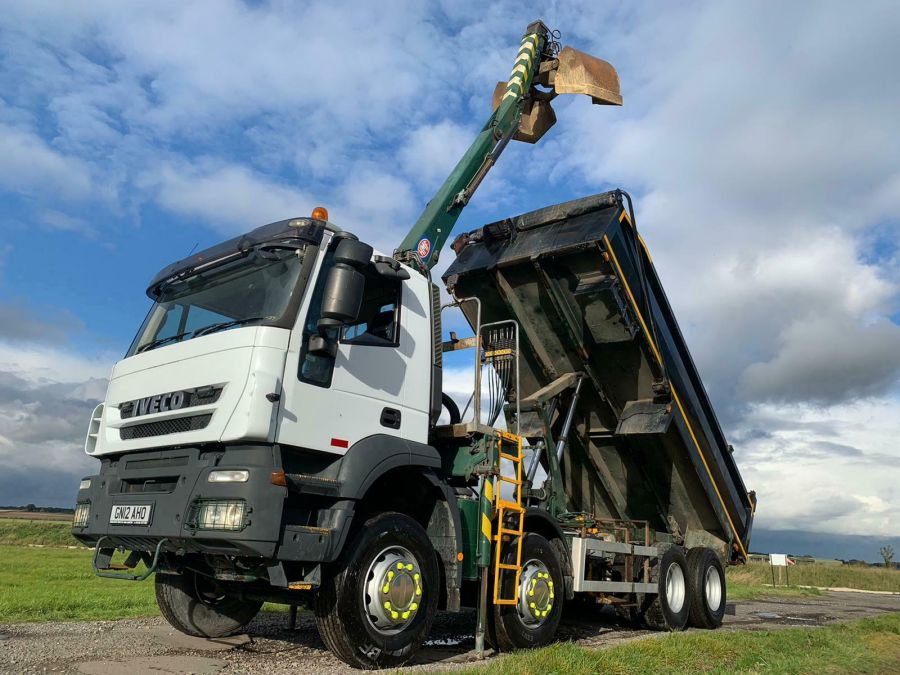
(215, 327)
(161, 341)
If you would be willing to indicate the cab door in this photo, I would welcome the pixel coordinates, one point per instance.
(331, 403)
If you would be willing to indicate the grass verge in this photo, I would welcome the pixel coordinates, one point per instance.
(824, 576)
(20, 532)
(865, 646)
(739, 591)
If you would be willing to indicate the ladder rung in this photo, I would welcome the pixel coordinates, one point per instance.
(506, 566)
(506, 601)
(509, 506)
(507, 479)
(511, 458)
(506, 530)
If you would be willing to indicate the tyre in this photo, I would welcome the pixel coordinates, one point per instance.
(707, 582)
(669, 608)
(629, 614)
(377, 602)
(197, 605)
(533, 620)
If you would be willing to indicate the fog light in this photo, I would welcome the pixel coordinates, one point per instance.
(84, 485)
(228, 476)
(224, 514)
(82, 511)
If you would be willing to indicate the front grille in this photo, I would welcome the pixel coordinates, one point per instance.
(192, 397)
(164, 427)
(156, 462)
(140, 485)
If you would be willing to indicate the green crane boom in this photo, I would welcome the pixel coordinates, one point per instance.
(538, 61)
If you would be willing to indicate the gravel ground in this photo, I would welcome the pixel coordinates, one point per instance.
(139, 646)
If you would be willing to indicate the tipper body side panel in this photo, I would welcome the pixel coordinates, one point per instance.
(646, 444)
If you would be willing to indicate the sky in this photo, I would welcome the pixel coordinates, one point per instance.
(760, 141)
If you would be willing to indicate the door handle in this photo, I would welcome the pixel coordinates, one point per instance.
(390, 418)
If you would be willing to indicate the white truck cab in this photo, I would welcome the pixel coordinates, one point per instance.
(223, 355)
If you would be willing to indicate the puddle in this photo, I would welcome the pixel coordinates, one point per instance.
(768, 615)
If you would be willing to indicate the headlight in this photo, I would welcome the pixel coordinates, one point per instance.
(228, 476)
(84, 485)
(222, 514)
(82, 511)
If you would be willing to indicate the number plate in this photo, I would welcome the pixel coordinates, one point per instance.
(130, 514)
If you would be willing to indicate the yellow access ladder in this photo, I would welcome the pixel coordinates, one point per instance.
(510, 516)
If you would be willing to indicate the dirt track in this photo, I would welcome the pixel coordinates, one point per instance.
(150, 646)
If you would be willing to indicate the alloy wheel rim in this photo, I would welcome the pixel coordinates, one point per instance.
(393, 588)
(712, 588)
(675, 587)
(536, 593)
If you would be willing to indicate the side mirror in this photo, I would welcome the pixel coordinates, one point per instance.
(342, 297)
(353, 252)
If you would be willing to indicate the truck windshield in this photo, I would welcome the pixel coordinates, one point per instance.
(254, 290)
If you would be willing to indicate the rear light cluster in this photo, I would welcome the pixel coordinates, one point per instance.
(82, 512)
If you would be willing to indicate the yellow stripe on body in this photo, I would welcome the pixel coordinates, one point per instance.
(675, 397)
(488, 490)
(485, 526)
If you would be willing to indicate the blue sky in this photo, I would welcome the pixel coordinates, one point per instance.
(763, 154)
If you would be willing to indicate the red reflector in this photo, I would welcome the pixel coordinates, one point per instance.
(340, 443)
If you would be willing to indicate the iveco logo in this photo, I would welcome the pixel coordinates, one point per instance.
(174, 400)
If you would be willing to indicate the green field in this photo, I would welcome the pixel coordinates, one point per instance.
(20, 532)
(50, 584)
(866, 646)
(821, 575)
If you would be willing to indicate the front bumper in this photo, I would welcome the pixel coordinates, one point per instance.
(173, 483)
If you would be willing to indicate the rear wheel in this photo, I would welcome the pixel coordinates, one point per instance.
(707, 581)
(533, 620)
(669, 608)
(376, 605)
(198, 605)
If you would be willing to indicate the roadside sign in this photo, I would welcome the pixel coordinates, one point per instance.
(779, 560)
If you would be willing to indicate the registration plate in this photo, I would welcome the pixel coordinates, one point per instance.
(130, 514)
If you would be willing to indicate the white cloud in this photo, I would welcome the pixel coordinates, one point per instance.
(825, 469)
(48, 364)
(230, 198)
(46, 396)
(30, 166)
(432, 150)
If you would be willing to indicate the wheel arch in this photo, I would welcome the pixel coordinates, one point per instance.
(540, 522)
(385, 473)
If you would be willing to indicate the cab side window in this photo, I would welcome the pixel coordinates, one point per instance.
(378, 324)
(314, 368)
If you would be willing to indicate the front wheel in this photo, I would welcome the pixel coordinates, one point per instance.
(533, 620)
(198, 605)
(376, 604)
